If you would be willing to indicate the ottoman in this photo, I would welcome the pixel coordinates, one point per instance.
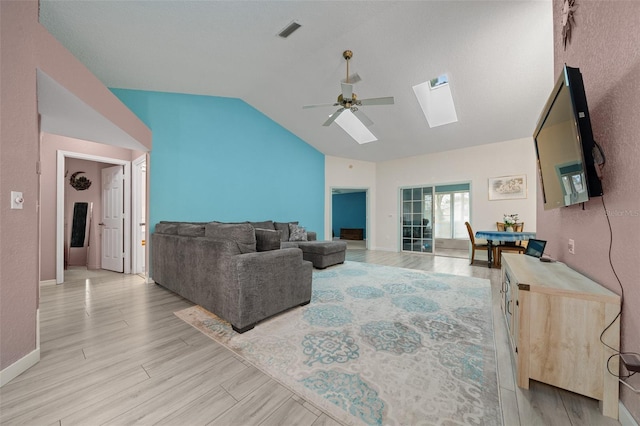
(321, 253)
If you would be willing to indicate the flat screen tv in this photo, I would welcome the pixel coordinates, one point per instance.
(565, 147)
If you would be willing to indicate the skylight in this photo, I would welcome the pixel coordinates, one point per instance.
(434, 97)
(355, 128)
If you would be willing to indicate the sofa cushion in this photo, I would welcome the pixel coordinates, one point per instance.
(267, 224)
(323, 247)
(191, 229)
(241, 233)
(267, 239)
(167, 228)
(284, 227)
(297, 233)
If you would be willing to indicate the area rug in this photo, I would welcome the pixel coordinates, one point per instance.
(379, 345)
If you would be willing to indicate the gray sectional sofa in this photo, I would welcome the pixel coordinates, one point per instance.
(229, 270)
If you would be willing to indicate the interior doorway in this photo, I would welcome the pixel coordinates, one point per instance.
(60, 208)
(350, 216)
(84, 205)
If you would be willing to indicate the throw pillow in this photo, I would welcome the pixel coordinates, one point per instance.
(297, 233)
(267, 239)
(284, 227)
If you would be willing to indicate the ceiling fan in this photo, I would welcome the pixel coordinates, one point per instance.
(348, 100)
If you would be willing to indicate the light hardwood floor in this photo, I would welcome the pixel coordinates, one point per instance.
(112, 352)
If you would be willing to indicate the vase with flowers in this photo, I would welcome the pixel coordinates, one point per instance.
(510, 221)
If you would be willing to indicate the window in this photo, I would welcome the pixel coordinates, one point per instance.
(451, 211)
(436, 101)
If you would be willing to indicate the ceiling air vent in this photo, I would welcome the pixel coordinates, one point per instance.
(289, 29)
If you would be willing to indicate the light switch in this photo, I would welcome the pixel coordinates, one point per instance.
(16, 200)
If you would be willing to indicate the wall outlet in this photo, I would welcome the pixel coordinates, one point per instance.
(572, 246)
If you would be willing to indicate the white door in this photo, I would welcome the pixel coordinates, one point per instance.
(112, 219)
(139, 195)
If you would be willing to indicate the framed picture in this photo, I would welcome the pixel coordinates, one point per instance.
(508, 187)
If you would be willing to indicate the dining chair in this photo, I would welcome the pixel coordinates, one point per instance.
(518, 227)
(508, 245)
(474, 244)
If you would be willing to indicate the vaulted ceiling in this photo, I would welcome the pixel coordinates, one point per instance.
(498, 56)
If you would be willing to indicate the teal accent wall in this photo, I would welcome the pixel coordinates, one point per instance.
(349, 211)
(217, 158)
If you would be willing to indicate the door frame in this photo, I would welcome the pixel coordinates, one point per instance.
(136, 201)
(367, 212)
(60, 188)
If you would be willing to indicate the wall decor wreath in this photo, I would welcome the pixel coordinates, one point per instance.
(568, 20)
(81, 183)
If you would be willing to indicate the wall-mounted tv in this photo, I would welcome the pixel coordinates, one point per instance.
(565, 146)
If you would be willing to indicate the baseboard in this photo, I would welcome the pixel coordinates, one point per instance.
(385, 249)
(38, 329)
(47, 282)
(19, 367)
(624, 416)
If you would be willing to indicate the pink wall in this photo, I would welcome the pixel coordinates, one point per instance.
(18, 156)
(24, 46)
(48, 155)
(605, 46)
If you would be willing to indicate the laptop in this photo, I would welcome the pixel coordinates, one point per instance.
(535, 247)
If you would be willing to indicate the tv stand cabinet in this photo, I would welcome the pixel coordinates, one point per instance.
(351, 233)
(554, 319)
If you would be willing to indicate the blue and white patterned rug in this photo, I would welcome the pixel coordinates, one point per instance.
(380, 345)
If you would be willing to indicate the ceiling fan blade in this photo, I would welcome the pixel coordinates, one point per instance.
(362, 117)
(347, 91)
(319, 105)
(333, 117)
(376, 101)
(353, 78)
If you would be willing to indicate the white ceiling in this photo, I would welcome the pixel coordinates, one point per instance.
(498, 56)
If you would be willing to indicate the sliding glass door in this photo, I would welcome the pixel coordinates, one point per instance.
(438, 211)
(417, 219)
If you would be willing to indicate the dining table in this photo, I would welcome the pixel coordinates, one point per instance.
(510, 236)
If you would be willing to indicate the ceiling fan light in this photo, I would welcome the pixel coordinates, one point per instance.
(355, 128)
